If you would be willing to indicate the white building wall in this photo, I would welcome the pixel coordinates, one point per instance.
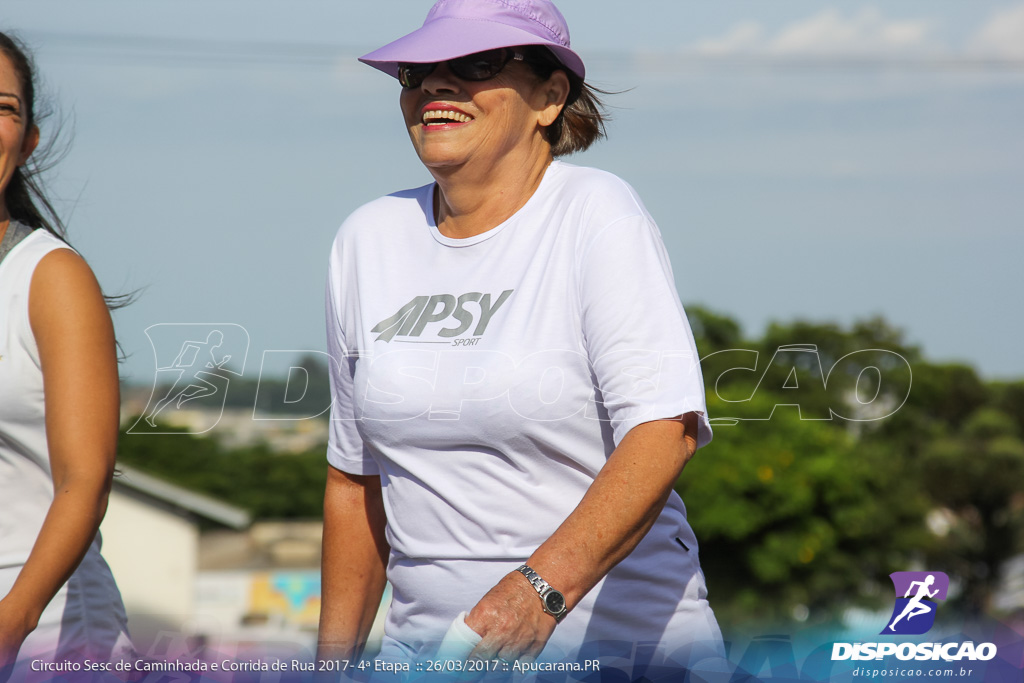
(153, 555)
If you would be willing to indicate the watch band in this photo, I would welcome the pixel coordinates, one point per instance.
(544, 590)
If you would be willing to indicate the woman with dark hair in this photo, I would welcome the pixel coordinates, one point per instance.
(58, 413)
(516, 387)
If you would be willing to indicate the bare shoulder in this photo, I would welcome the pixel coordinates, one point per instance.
(65, 295)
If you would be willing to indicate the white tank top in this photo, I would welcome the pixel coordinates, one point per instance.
(26, 488)
(87, 613)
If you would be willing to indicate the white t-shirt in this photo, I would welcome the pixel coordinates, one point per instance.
(488, 379)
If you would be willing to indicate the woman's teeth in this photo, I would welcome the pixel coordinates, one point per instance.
(439, 117)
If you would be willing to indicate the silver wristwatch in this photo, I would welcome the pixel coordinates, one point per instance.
(551, 600)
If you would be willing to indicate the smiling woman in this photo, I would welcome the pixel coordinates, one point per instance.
(504, 447)
(58, 418)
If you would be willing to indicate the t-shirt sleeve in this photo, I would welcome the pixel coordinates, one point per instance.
(637, 336)
(345, 448)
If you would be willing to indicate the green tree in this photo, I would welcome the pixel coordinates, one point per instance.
(269, 485)
(976, 473)
(713, 331)
(796, 512)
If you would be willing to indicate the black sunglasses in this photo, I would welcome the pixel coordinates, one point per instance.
(480, 66)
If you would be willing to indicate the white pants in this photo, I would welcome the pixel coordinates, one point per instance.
(85, 620)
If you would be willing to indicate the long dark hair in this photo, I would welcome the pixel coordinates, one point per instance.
(25, 197)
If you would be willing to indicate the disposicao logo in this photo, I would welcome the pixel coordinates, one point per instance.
(917, 598)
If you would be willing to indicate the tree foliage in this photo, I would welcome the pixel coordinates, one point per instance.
(795, 512)
(797, 506)
(269, 485)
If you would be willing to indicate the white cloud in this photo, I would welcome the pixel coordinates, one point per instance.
(1002, 35)
(866, 32)
(743, 37)
(829, 32)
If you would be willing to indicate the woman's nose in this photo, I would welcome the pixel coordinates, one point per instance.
(441, 79)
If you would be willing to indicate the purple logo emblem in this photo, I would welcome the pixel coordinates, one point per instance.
(917, 597)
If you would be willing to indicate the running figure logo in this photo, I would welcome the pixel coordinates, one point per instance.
(198, 375)
(914, 612)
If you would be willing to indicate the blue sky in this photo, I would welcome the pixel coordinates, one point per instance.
(820, 160)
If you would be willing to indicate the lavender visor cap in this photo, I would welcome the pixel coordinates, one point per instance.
(455, 28)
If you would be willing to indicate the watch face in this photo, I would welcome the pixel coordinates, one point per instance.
(555, 602)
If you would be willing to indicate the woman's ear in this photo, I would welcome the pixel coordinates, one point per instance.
(556, 92)
(29, 144)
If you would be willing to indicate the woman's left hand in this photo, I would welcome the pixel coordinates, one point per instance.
(511, 620)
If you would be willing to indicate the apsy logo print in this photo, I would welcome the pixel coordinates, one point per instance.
(412, 319)
(917, 598)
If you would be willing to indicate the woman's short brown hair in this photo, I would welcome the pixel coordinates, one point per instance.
(581, 122)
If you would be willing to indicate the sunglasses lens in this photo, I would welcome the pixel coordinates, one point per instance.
(475, 67)
(480, 66)
(411, 75)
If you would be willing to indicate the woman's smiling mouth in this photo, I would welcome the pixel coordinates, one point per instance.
(443, 116)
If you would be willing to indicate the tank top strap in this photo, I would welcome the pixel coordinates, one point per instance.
(16, 232)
